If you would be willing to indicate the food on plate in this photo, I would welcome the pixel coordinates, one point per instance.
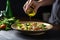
(31, 26)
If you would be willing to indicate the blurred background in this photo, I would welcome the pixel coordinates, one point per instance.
(17, 9)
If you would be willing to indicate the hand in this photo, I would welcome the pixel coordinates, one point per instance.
(31, 3)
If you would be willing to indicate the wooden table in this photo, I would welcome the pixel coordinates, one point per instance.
(53, 34)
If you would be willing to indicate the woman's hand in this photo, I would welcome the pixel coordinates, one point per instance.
(31, 4)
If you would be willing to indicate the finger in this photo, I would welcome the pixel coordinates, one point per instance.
(25, 6)
(40, 0)
(30, 2)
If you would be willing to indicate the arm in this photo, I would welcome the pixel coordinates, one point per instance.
(45, 2)
(36, 4)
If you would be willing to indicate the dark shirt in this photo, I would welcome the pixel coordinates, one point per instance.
(55, 14)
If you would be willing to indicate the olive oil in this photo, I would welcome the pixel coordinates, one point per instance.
(31, 13)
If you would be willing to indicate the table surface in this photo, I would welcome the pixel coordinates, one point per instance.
(53, 34)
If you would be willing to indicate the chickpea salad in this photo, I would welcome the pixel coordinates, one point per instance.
(31, 26)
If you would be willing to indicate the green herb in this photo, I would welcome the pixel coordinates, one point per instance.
(19, 25)
(27, 27)
(27, 24)
(8, 22)
(7, 28)
(43, 25)
(17, 21)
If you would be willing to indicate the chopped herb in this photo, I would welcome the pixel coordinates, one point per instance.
(27, 24)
